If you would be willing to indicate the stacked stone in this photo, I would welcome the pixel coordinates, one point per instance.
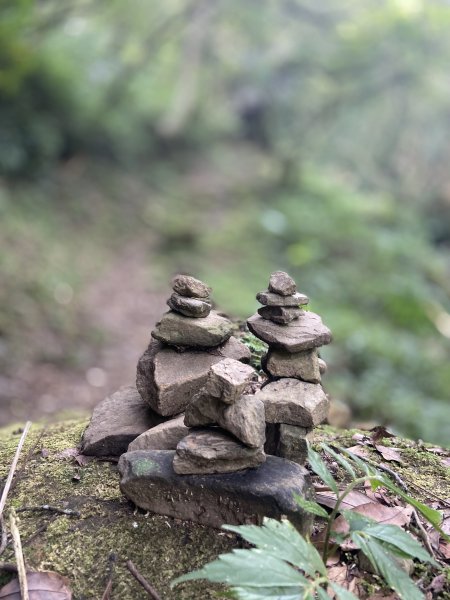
(229, 425)
(294, 400)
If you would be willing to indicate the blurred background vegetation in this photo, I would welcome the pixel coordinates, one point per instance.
(226, 138)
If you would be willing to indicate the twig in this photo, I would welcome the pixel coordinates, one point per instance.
(13, 467)
(111, 564)
(55, 509)
(423, 534)
(145, 584)
(39, 530)
(21, 571)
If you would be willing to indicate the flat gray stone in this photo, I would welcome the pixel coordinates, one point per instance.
(280, 314)
(189, 307)
(188, 286)
(245, 418)
(212, 450)
(243, 497)
(164, 436)
(304, 333)
(228, 379)
(294, 402)
(116, 421)
(178, 330)
(168, 380)
(281, 283)
(300, 365)
(270, 299)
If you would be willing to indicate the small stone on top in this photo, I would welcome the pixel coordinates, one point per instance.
(281, 283)
(189, 307)
(188, 286)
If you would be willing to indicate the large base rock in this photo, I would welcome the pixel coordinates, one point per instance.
(117, 421)
(148, 479)
(168, 379)
(178, 330)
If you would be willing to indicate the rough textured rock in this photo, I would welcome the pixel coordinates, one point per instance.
(168, 379)
(300, 365)
(302, 334)
(281, 283)
(178, 330)
(164, 436)
(292, 443)
(185, 285)
(243, 497)
(245, 419)
(212, 450)
(117, 421)
(280, 314)
(323, 367)
(270, 299)
(189, 307)
(294, 402)
(228, 379)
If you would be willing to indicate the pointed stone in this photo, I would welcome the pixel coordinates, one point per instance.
(300, 365)
(244, 497)
(280, 314)
(323, 367)
(281, 283)
(304, 333)
(228, 379)
(270, 299)
(178, 330)
(294, 402)
(164, 436)
(211, 450)
(189, 307)
(117, 421)
(168, 380)
(188, 286)
(245, 419)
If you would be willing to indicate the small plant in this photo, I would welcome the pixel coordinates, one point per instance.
(283, 565)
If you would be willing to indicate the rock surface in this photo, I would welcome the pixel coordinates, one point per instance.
(178, 330)
(188, 286)
(189, 307)
(281, 283)
(245, 419)
(292, 443)
(244, 497)
(168, 379)
(302, 334)
(212, 450)
(228, 379)
(323, 367)
(294, 402)
(300, 365)
(164, 436)
(280, 314)
(270, 299)
(117, 421)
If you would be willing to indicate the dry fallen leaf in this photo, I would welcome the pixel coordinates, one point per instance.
(380, 432)
(389, 453)
(359, 451)
(353, 499)
(44, 585)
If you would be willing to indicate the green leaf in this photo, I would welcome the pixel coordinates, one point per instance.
(266, 593)
(395, 536)
(311, 507)
(363, 466)
(356, 520)
(281, 540)
(385, 565)
(248, 568)
(340, 459)
(321, 469)
(342, 593)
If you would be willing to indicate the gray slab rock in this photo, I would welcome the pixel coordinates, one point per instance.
(244, 497)
(280, 314)
(300, 365)
(304, 333)
(188, 286)
(212, 450)
(116, 421)
(164, 436)
(228, 379)
(168, 380)
(189, 307)
(294, 402)
(270, 299)
(245, 419)
(281, 283)
(178, 330)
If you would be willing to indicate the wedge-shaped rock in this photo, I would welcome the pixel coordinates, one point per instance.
(304, 333)
(212, 450)
(164, 436)
(280, 314)
(189, 307)
(117, 421)
(228, 379)
(178, 330)
(243, 497)
(185, 285)
(301, 365)
(245, 419)
(281, 283)
(294, 402)
(270, 299)
(168, 380)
